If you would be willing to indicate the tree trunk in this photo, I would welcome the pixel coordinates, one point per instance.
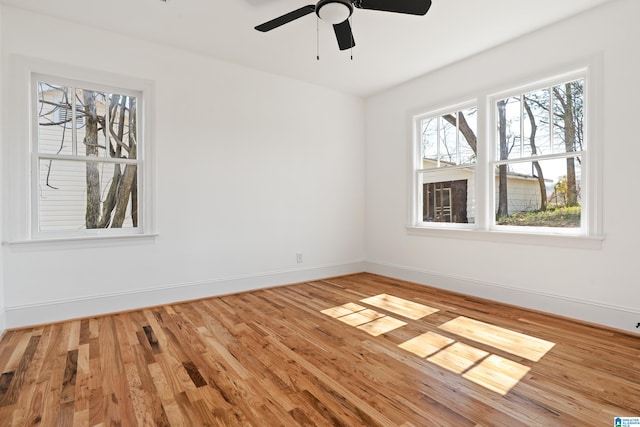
(465, 129)
(92, 215)
(124, 192)
(133, 142)
(503, 201)
(110, 201)
(569, 142)
(536, 165)
(128, 185)
(134, 201)
(115, 151)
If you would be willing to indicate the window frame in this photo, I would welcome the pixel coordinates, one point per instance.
(23, 216)
(579, 74)
(417, 164)
(588, 236)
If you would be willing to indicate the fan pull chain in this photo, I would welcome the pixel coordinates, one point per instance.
(351, 23)
(317, 38)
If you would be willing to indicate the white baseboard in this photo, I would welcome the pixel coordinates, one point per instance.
(60, 310)
(3, 322)
(54, 311)
(616, 317)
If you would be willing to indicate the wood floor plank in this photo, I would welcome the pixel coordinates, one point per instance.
(146, 400)
(291, 355)
(15, 385)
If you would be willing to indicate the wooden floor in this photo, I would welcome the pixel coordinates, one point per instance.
(355, 350)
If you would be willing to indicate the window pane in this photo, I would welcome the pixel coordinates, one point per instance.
(54, 119)
(568, 113)
(449, 139)
(92, 136)
(539, 194)
(514, 134)
(447, 195)
(468, 131)
(429, 129)
(536, 123)
(122, 125)
(76, 195)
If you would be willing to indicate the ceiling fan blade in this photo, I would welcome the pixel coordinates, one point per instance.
(286, 18)
(412, 7)
(344, 35)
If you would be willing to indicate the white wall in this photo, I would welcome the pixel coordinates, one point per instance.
(246, 178)
(2, 122)
(599, 285)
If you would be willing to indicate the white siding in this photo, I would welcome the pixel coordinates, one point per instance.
(523, 194)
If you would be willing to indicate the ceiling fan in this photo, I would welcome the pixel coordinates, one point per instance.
(337, 13)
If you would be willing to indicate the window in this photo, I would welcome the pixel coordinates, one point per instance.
(446, 166)
(528, 171)
(539, 141)
(86, 166)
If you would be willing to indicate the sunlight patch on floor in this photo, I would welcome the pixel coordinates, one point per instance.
(400, 306)
(382, 325)
(458, 357)
(426, 344)
(491, 371)
(497, 373)
(363, 318)
(518, 344)
(343, 310)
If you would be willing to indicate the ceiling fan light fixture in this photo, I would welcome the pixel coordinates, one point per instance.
(334, 11)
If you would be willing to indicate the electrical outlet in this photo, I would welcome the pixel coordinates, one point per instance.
(299, 257)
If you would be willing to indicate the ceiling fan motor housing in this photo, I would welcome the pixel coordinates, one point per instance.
(334, 11)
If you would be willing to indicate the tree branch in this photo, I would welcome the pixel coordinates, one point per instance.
(465, 129)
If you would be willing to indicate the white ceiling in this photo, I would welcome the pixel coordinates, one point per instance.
(390, 48)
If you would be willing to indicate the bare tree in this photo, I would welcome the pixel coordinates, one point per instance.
(534, 151)
(566, 113)
(92, 216)
(503, 201)
(111, 193)
(568, 121)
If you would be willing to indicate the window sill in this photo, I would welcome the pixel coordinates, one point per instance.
(81, 241)
(510, 237)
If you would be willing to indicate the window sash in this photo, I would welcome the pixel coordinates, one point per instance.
(62, 200)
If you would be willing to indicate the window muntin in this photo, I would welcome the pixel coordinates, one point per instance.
(85, 174)
(546, 127)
